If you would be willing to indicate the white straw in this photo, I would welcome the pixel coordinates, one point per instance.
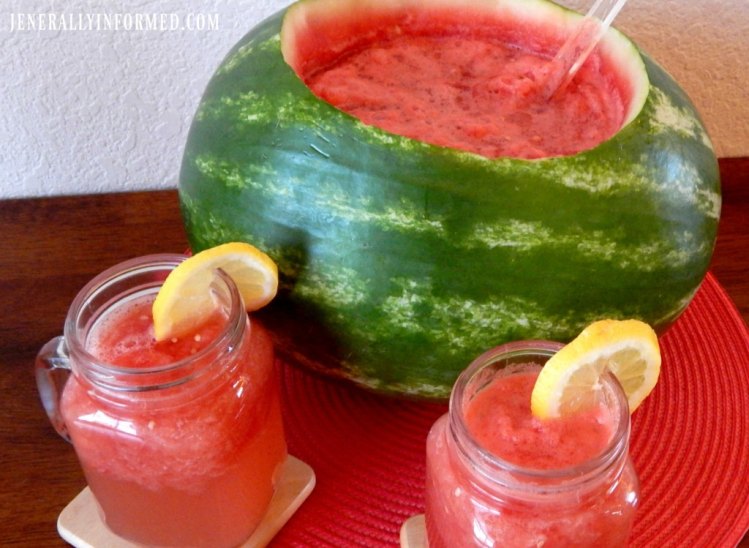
(580, 44)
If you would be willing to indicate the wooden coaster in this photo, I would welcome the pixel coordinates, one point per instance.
(80, 524)
(414, 533)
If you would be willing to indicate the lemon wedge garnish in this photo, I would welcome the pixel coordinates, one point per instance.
(185, 299)
(570, 379)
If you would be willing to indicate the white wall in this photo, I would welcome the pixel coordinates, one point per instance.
(108, 110)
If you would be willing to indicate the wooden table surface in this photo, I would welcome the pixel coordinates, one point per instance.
(51, 247)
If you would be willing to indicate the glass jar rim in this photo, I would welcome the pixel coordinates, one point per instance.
(102, 373)
(496, 469)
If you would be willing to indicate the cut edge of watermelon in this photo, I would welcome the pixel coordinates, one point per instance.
(322, 29)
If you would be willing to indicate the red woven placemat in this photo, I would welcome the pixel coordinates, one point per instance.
(690, 444)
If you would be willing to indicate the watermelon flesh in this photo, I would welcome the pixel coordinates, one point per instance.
(469, 89)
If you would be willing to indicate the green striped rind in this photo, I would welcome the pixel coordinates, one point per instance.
(401, 261)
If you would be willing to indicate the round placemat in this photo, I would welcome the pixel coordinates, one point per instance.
(690, 444)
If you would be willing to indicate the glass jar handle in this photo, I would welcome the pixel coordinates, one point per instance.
(52, 369)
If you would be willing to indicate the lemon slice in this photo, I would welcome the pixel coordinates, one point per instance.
(185, 299)
(570, 379)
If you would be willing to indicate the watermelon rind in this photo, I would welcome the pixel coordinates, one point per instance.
(401, 261)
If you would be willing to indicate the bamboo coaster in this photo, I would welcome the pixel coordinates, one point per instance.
(80, 524)
(413, 532)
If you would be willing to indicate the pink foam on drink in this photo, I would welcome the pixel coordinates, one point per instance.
(499, 417)
(125, 337)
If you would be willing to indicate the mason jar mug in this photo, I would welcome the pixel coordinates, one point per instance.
(479, 497)
(181, 441)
